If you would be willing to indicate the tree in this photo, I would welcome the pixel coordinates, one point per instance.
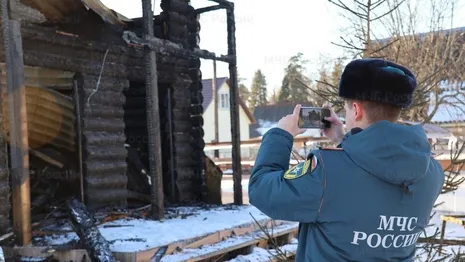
(437, 57)
(294, 85)
(328, 79)
(244, 92)
(258, 95)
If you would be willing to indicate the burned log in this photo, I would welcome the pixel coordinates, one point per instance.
(84, 225)
(165, 47)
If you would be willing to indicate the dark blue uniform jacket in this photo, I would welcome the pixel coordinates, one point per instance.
(366, 201)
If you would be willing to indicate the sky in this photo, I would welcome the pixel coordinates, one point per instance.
(268, 33)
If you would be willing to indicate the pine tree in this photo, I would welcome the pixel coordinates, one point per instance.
(258, 95)
(244, 92)
(292, 90)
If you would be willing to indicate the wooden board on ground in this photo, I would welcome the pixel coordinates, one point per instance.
(147, 255)
(238, 245)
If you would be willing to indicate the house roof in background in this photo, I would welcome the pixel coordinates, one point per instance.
(207, 89)
(450, 30)
(207, 92)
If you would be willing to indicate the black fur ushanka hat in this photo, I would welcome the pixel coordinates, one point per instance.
(378, 80)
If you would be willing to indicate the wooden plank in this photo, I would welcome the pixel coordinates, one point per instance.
(453, 219)
(208, 239)
(257, 142)
(18, 136)
(221, 248)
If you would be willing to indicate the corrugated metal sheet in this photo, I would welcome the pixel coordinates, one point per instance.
(59, 10)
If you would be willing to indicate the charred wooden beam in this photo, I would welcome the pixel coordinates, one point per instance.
(45, 47)
(84, 225)
(234, 101)
(169, 48)
(46, 158)
(77, 111)
(153, 116)
(19, 148)
(224, 3)
(209, 8)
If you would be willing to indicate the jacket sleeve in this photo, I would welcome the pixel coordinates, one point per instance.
(281, 193)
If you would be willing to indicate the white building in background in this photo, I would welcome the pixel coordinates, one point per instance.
(224, 117)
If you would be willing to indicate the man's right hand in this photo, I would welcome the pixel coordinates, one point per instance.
(336, 132)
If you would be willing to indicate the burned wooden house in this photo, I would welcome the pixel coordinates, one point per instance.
(109, 107)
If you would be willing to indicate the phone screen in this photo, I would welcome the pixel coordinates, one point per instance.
(313, 117)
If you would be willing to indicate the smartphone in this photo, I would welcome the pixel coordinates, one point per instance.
(314, 118)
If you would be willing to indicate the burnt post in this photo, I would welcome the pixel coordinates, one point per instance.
(234, 106)
(153, 116)
(19, 148)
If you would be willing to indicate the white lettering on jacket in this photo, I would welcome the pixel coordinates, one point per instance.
(386, 239)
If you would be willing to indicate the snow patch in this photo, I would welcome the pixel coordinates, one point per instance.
(132, 235)
(260, 254)
(228, 171)
(228, 185)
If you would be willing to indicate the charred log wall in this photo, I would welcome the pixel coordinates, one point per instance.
(196, 112)
(181, 26)
(104, 154)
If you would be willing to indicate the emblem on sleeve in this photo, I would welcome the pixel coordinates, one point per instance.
(302, 169)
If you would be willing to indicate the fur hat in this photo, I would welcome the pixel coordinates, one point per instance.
(378, 80)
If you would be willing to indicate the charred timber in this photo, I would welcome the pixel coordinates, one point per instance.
(209, 8)
(234, 98)
(169, 48)
(19, 147)
(224, 3)
(84, 225)
(47, 48)
(178, 19)
(153, 117)
(178, 6)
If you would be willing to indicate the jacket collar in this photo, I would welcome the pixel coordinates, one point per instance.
(352, 132)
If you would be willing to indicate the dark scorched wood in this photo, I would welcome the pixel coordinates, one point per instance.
(44, 47)
(104, 155)
(84, 225)
(184, 119)
(169, 48)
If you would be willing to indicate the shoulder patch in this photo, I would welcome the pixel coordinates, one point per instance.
(302, 169)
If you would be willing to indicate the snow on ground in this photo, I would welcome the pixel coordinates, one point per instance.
(133, 235)
(453, 232)
(228, 185)
(261, 254)
(186, 254)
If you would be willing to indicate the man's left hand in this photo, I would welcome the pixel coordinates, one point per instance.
(290, 123)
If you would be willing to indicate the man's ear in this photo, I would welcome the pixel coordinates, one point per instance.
(358, 111)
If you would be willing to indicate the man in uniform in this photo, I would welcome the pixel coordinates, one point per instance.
(370, 198)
